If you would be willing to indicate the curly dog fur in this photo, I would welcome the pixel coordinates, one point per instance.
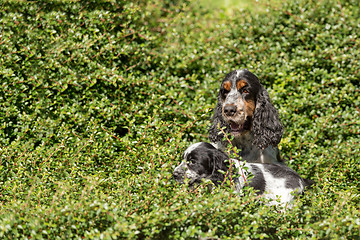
(244, 110)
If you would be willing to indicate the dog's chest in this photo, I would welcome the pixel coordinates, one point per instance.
(250, 153)
(247, 150)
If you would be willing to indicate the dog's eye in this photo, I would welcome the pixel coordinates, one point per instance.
(244, 91)
(191, 165)
(225, 93)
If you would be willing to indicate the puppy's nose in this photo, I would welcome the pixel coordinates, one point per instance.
(230, 110)
(178, 176)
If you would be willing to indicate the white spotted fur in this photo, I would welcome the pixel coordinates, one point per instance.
(275, 188)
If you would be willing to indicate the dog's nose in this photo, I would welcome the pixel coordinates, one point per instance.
(175, 174)
(230, 110)
(178, 176)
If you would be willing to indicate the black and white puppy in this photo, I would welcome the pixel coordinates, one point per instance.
(275, 182)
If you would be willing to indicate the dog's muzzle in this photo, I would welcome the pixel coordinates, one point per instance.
(179, 172)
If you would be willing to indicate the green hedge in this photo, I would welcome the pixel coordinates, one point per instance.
(100, 98)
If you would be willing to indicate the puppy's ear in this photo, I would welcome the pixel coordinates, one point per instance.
(267, 128)
(219, 166)
(217, 122)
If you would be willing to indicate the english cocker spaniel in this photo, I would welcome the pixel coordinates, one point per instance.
(275, 182)
(244, 110)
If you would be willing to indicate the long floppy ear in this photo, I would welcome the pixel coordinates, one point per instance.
(267, 128)
(218, 163)
(217, 121)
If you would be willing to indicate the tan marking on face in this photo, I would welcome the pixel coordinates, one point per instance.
(240, 84)
(227, 85)
(249, 107)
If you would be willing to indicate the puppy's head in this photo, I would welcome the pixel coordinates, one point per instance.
(201, 160)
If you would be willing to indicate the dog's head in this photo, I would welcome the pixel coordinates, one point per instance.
(237, 95)
(243, 107)
(201, 160)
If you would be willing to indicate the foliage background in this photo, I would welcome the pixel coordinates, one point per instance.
(100, 98)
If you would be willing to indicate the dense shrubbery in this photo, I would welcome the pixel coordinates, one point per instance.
(99, 99)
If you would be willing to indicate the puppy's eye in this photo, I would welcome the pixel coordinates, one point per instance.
(191, 165)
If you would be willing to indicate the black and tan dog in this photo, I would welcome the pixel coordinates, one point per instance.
(245, 112)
